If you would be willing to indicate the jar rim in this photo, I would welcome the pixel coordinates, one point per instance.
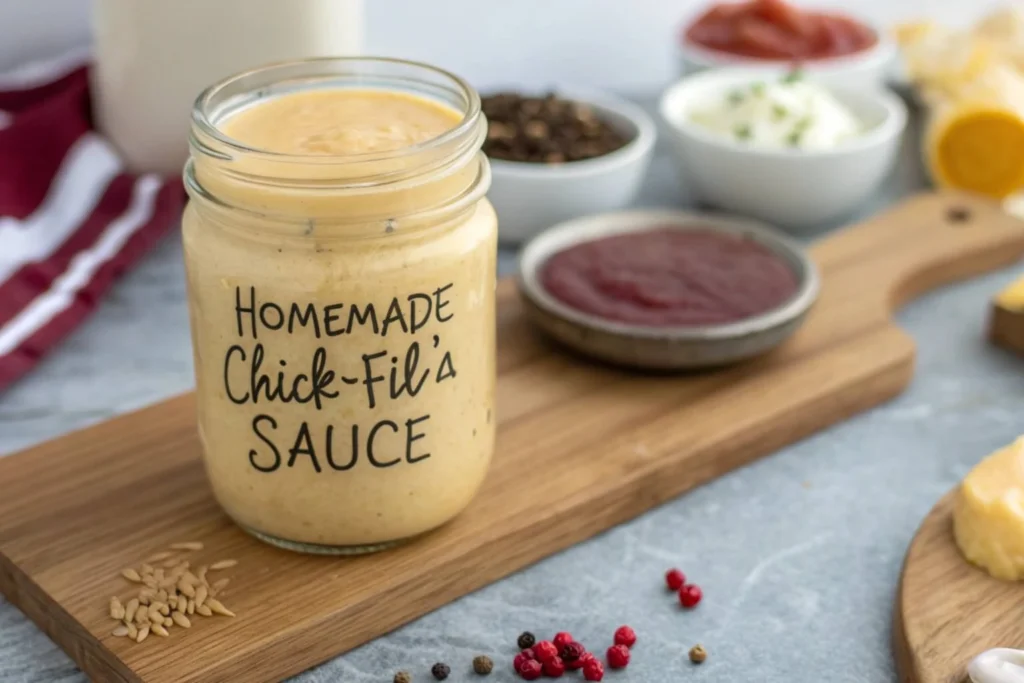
(203, 121)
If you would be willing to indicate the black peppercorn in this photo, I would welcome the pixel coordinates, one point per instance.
(526, 640)
(440, 671)
(403, 677)
(482, 665)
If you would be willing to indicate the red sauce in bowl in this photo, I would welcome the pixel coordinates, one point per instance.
(774, 29)
(664, 277)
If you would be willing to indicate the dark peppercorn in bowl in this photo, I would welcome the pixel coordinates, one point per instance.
(556, 156)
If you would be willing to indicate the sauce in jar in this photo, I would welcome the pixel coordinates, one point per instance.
(341, 273)
(665, 277)
(774, 29)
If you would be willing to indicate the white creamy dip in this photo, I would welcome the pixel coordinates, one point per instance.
(788, 113)
(999, 665)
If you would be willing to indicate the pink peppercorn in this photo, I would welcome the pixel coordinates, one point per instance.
(593, 670)
(561, 639)
(522, 658)
(545, 650)
(531, 670)
(690, 595)
(554, 667)
(624, 635)
(675, 579)
(618, 656)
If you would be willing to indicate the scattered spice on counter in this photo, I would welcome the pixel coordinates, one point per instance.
(624, 635)
(561, 639)
(554, 667)
(698, 654)
(482, 665)
(675, 579)
(670, 277)
(546, 129)
(545, 650)
(617, 656)
(440, 671)
(403, 677)
(526, 640)
(530, 670)
(573, 655)
(593, 670)
(167, 595)
(690, 595)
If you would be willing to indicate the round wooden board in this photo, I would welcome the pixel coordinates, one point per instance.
(947, 611)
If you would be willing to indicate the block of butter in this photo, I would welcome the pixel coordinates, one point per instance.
(988, 513)
(1006, 320)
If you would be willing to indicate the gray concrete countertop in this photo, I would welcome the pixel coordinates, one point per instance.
(798, 554)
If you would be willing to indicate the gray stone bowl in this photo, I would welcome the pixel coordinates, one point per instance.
(663, 348)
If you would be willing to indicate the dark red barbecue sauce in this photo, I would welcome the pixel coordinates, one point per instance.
(666, 277)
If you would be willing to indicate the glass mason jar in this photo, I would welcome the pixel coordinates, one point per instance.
(342, 311)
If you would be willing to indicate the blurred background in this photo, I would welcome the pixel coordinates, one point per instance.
(623, 45)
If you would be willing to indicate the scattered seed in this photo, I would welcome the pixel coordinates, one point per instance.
(165, 609)
(149, 581)
(698, 654)
(143, 632)
(142, 617)
(116, 609)
(147, 568)
(201, 594)
(172, 602)
(130, 608)
(483, 665)
(191, 545)
(160, 630)
(147, 593)
(158, 574)
(403, 677)
(217, 608)
(191, 578)
(168, 622)
(154, 613)
(131, 575)
(526, 640)
(157, 557)
(201, 609)
(219, 585)
(186, 588)
(202, 573)
(120, 631)
(192, 608)
(161, 595)
(133, 632)
(223, 564)
(180, 619)
(170, 563)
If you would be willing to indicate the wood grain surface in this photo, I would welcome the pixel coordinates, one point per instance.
(76, 510)
(948, 611)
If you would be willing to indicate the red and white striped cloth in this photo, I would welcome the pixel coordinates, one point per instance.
(71, 219)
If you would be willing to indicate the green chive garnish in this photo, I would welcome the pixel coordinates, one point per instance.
(736, 98)
(779, 112)
(757, 89)
(793, 76)
(743, 131)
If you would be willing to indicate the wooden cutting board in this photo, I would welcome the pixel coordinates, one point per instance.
(611, 445)
(948, 611)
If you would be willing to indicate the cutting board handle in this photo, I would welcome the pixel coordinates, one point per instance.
(929, 240)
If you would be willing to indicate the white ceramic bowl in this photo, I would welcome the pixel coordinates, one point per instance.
(787, 187)
(530, 197)
(869, 68)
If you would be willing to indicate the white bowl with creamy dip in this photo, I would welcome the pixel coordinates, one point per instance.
(791, 151)
(530, 197)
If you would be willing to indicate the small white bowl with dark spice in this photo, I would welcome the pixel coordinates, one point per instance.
(562, 155)
(779, 145)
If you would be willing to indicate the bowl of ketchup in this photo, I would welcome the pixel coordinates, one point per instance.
(666, 290)
(832, 45)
